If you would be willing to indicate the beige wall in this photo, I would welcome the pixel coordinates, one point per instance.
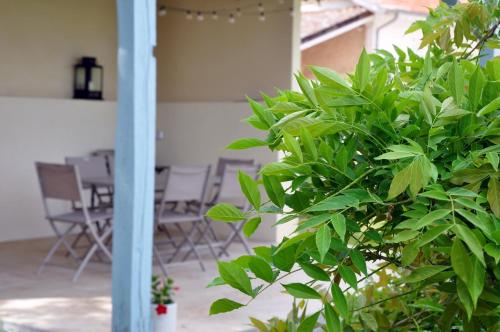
(41, 40)
(340, 54)
(34, 129)
(215, 60)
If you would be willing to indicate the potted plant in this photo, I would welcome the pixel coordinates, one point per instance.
(164, 309)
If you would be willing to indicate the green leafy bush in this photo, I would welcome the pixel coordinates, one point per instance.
(393, 177)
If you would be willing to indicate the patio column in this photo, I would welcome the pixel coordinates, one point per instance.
(135, 155)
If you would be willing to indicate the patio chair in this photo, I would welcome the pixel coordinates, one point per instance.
(230, 192)
(222, 162)
(186, 185)
(93, 167)
(62, 183)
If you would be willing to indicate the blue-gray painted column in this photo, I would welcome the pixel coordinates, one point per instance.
(134, 166)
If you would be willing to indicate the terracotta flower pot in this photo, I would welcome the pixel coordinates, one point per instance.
(164, 317)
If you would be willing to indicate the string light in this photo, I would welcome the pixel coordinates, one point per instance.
(200, 14)
(162, 11)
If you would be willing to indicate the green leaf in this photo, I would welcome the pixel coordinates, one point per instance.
(476, 87)
(428, 106)
(261, 268)
(308, 324)
(323, 238)
(251, 226)
(335, 203)
(362, 73)
(340, 301)
(294, 240)
(246, 143)
(359, 261)
(332, 319)
(432, 234)
(409, 253)
(435, 194)
(225, 212)
(274, 190)
(314, 272)
(301, 291)
(494, 105)
(494, 195)
(425, 272)
(339, 225)
(250, 188)
(466, 235)
(426, 220)
(493, 251)
(476, 282)
(463, 295)
(492, 157)
(348, 276)
(235, 276)
(306, 88)
(329, 77)
(459, 191)
(456, 82)
(313, 222)
(460, 261)
(469, 204)
(394, 155)
(284, 259)
(293, 146)
(308, 142)
(404, 236)
(224, 305)
(483, 224)
(258, 324)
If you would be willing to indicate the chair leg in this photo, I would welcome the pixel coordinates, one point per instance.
(191, 244)
(61, 240)
(160, 261)
(97, 245)
(204, 236)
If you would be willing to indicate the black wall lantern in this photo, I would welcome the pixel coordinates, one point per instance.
(88, 79)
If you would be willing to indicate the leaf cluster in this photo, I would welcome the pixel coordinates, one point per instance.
(393, 176)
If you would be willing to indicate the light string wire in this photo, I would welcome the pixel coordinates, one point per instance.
(256, 8)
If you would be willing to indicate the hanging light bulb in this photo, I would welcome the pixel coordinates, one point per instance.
(262, 17)
(261, 7)
(238, 12)
(281, 2)
(231, 19)
(189, 15)
(200, 17)
(162, 11)
(291, 12)
(215, 16)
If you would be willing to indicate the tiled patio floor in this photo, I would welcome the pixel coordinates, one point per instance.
(51, 302)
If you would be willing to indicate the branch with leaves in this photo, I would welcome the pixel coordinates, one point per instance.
(393, 176)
